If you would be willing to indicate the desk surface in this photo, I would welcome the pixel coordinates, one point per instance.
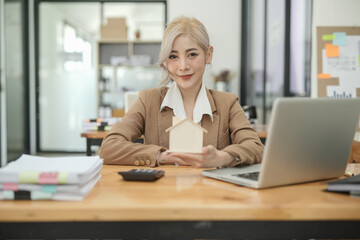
(183, 194)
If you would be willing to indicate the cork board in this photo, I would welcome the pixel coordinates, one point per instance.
(338, 61)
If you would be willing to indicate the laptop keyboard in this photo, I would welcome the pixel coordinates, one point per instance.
(252, 175)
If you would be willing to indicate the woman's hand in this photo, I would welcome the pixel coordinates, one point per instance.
(210, 157)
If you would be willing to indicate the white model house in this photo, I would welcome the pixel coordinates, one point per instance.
(185, 136)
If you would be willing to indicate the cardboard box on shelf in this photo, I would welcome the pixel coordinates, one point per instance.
(116, 21)
(111, 32)
(114, 29)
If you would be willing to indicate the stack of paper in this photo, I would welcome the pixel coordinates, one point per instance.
(99, 124)
(349, 185)
(56, 178)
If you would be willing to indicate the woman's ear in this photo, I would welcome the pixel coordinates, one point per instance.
(209, 55)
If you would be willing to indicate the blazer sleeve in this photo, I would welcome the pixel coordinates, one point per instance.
(118, 146)
(246, 144)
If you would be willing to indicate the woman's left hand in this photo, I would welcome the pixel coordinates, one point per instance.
(210, 157)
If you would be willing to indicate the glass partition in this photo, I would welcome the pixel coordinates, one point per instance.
(16, 87)
(74, 67)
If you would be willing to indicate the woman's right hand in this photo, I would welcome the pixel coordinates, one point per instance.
(165, 158)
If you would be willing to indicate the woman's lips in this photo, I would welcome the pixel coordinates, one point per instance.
(185, 77)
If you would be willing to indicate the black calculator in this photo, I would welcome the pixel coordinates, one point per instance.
(142, 174)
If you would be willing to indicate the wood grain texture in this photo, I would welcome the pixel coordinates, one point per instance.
(184, 194)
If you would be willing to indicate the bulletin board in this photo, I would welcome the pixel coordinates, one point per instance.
(338, 62)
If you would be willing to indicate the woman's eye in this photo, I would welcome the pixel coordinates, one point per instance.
(193, 54)
(172, 56)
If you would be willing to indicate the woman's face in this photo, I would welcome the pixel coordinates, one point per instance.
(186, 63)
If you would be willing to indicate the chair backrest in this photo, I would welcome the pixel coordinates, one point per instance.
(130, 98)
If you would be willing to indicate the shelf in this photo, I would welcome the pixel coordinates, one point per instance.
(118, 79)
(126, 66)
(123, 41)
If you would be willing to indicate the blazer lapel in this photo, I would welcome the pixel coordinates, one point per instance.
(211, 137)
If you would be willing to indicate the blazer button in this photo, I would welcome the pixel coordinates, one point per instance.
(136, 163)
(147, 162)
(142, 162)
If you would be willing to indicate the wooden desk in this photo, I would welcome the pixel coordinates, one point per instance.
(262, 131)
(94, 138)
(184, 204)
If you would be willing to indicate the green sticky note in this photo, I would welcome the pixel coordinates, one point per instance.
(37, 195)
(29, 177)
(48, 188)
(8, 195)
(328, 37)
(62, 177)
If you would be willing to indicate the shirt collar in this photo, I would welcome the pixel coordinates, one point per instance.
(173, 100)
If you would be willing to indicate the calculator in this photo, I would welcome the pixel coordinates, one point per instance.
(142, 174)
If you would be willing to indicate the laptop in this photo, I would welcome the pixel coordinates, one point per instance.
(308, 139)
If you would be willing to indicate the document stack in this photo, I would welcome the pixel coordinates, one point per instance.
(99, 124)
(55, 178)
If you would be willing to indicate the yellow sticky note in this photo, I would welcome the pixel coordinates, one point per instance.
(62, 177)
(29, 177)
(331, 50)
(328, 37)
(324, 75)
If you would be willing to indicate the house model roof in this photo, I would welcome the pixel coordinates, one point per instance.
(184, 120)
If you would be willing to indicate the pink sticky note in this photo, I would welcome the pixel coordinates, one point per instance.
(48, 178)
(11, 186)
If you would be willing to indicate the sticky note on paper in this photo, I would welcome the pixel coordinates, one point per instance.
(29, 177)
(328, 37)
(11, 186)
(340, 39)
(37, 195)
(8, 195)
(62, 177)
(324, 75)
(48, 188)
(48, 178)
(331, 50)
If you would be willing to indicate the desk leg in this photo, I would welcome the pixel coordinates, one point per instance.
(88, 147)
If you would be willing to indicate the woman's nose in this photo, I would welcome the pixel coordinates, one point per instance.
(184, 65)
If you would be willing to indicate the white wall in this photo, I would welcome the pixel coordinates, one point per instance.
(331, 13)
(222, 20)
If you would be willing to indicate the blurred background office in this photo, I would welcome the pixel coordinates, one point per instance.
(61, 62)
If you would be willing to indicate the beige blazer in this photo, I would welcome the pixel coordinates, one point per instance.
(145, 118)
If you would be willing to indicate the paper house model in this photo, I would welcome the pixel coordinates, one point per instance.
(185, 136)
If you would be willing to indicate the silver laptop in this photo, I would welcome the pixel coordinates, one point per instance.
(308, 139)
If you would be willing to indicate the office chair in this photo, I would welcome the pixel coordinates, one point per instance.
(250, 112)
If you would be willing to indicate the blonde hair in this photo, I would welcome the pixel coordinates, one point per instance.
(188, 26)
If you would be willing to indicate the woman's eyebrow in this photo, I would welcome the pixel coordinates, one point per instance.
(191, 49)
(187, 50)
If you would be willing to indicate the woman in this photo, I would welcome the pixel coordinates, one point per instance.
(185, 51)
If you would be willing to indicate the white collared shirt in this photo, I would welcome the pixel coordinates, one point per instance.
(173, 100)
